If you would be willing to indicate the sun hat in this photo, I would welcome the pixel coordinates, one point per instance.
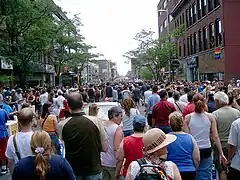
(139, 121)
(155, 139)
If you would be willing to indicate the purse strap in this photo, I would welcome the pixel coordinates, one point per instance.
(44, 121)
(16, 149)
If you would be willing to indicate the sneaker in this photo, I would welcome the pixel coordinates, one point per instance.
(4, 171)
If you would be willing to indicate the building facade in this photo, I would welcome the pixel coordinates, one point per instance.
(209, 48)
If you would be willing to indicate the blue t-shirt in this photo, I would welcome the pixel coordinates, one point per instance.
(152, 100)
(60, 169)
(3, 121)
(7, 108)
(180, 152)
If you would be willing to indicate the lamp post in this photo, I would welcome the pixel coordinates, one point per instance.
(168, 33)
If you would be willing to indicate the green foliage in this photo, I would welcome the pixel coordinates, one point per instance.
(145, 73)
(155, 54)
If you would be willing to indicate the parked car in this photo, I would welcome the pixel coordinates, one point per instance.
(103, 108)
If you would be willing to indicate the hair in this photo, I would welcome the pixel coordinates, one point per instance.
(176, 96)
(199, 103)
(210, 97)
(170, 93)
(221, 98)
(25, 105)
(186, 90)
(190, 95)
(127, 105)
(114, 112)
(176, 121)
(163, 94)
(155, 89)
(230, 97)
(45, 110)
(148, 87)
(93, 110)
(75, 101)
(51, 96)
(25, 116)
(139, 129)
(41, 139)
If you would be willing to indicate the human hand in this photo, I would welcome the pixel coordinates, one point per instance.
(223, 160)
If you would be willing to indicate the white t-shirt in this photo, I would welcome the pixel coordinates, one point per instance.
(60, 100)
(234, 139)
(147, 94)
(23, 140)
(171, 100)
(43, 98)
(184, 99)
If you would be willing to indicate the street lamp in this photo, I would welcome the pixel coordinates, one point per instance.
(168, 33)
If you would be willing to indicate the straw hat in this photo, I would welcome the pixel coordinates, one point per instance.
(155, 139)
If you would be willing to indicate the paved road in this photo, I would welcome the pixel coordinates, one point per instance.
(8, 176)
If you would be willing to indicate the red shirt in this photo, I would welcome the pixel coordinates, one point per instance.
(133, 150)
(161, 111)
(189, 109)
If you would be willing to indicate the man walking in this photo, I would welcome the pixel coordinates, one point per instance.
(84, 139)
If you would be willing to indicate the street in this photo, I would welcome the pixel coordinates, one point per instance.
(8, 176)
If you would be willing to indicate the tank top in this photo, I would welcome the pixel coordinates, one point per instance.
(180, 152)
(200, 126)
(128, 121)
(108, 158)
(132, 154)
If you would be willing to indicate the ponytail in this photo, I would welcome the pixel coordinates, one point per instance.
(42, 166)
(199, 103)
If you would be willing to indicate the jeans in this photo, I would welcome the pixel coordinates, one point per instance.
(165, 129)
(128, 133)
(204, 171)
(91, 177)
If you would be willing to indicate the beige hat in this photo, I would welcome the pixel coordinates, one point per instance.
(155, 139)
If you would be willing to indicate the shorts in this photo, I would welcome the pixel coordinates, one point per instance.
(136, 100)
(3, 147)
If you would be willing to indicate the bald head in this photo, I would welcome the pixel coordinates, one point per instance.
(25, 116)
(75, 101)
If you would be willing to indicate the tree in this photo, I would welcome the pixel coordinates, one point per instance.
(26, 31)
(155, 54)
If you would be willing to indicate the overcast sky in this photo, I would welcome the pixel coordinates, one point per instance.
(110, 25)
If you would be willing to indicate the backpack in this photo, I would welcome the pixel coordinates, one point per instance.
(151, 172)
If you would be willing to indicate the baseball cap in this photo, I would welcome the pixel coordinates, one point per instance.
(139, 121)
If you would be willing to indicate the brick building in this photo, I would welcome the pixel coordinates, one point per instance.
(209, 48)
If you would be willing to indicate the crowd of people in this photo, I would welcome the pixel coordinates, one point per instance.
(187, 131)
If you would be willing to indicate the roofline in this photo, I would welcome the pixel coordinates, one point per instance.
(178, 6)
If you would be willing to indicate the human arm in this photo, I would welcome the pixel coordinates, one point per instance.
(11, 165)
(128, 176)
(176, 172)
(216, 139)
(186, 122)
(118, 137)
(9, 154)
(232, 142)
(120, 159)
(196, 153)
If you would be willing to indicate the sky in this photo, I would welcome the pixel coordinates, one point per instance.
(111, 25)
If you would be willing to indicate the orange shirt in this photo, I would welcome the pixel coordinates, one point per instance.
(49, 125)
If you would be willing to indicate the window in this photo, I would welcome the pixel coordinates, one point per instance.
(161, 28)
(180, 20)
(180, 50)
(205, 45)
(200, 40)
(199, 6)
(165, 23)
(187, 18)
(177, 22)
(210, 5)
(188, 46)
(170, 18)
(164, 4)
(218, 26)
(190, 15)
(191, 44)
(211, 35)
(184, 48)
(183, 18)
(216, 3)
(195, 43)
(204, 7)
(194, 13)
